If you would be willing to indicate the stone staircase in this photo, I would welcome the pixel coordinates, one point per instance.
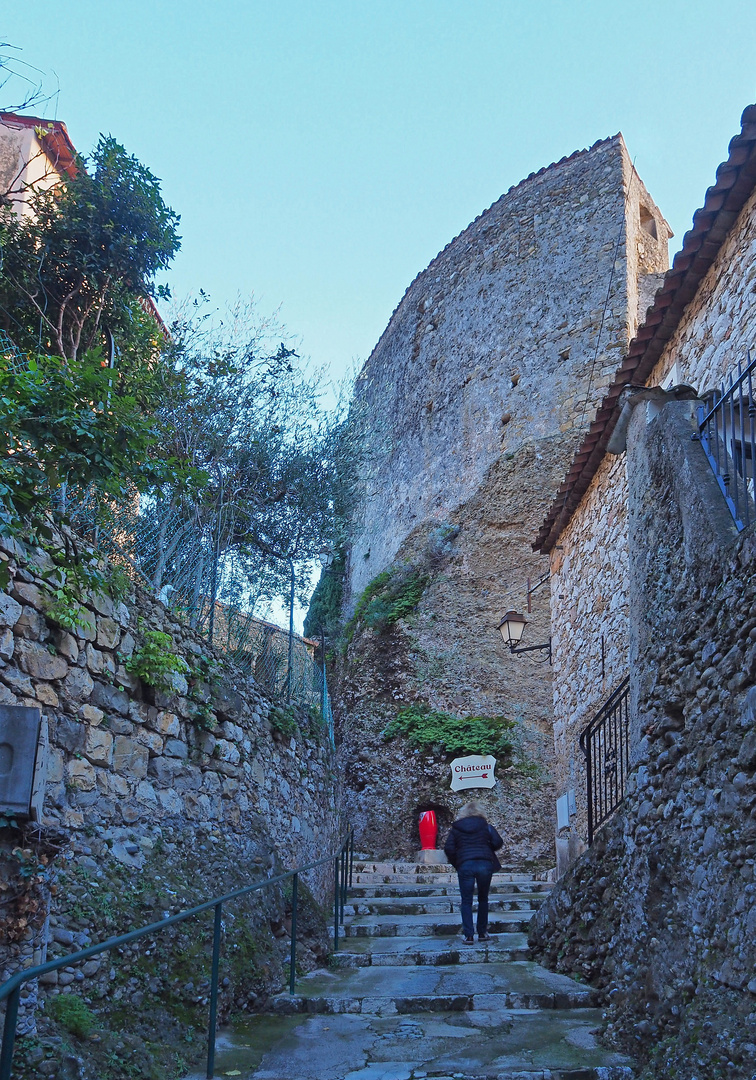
(405, 999)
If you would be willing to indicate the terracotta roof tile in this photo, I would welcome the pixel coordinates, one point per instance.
(54, 137)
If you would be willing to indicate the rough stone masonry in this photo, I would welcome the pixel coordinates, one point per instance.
(473, 400)
(661, 912)
(154, 801)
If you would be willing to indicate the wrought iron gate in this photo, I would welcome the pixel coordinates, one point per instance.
(606, 745)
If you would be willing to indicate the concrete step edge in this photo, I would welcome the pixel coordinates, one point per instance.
(428, 959)
(287, 1005)
(591, 1072)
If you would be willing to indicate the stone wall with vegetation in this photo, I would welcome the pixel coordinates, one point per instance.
(406, 705)
(472, 400)
(170, 779)
(661, 912)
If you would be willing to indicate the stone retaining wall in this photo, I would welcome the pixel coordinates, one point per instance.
(198, 786)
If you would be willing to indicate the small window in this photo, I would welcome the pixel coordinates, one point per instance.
(648, 221)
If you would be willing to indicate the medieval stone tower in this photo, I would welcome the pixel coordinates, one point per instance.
(473, 402)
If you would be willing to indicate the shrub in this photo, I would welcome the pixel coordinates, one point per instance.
(155, 662)
(324, 611)
(282, 720)
(390, 596)
(424, 727)
(70, 1011)
(66, 611)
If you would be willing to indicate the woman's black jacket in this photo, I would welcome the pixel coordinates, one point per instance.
(472, 838)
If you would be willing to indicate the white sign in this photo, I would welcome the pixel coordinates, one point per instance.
(473, 771)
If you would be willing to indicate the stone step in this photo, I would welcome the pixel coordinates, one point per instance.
(422, 905)
(417, 951)
(431, 876)
(388, 866)
(540, 889)
(471, 1045)
(412, 989)
(443, 925)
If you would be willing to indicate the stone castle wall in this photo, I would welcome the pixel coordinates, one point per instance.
(473, 399)
(493, 346)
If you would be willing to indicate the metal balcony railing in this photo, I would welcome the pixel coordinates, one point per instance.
(343, 863)
(728, 435)
(606, 745)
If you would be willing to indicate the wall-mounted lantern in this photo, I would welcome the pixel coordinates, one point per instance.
(511, 629)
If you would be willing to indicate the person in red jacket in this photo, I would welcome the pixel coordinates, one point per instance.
(470, 848)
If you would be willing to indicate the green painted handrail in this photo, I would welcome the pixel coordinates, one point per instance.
(343, 861)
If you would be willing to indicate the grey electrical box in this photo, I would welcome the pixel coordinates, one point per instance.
(19, 739)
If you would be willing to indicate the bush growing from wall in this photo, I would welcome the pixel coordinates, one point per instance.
(424, 727)
(391, 595)
(155, 663)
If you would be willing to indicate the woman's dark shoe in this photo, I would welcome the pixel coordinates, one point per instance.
(468, 941)
(484, 937)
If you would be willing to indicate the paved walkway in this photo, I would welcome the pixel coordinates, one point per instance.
(406, 999)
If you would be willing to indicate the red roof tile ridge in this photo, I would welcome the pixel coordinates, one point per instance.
(53, 134)
(689, 266)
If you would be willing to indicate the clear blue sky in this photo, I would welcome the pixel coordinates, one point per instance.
(320, 153)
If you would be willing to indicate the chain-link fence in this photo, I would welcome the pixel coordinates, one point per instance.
(171, 550)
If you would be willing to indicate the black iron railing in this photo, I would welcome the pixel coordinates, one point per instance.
(727, 434)
(606, 745)
(343, 862)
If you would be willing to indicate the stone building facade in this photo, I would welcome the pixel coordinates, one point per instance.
(661, 911)
(473, 400)
(699, 327)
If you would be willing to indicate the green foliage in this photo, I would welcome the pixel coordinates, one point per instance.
(324, 611)
(282, 719)
(204, 671)
(403, 602)
(66, 611)
(424, 727)
(391, 595)
(528, 767)
(243, 408)
(155, 662)
(74, 1015)
(62, 423)
(218, 421)
(118, 583)
(91, 247)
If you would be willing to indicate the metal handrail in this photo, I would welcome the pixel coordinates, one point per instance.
(727, 432)
(343, 863)
(605, 742)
